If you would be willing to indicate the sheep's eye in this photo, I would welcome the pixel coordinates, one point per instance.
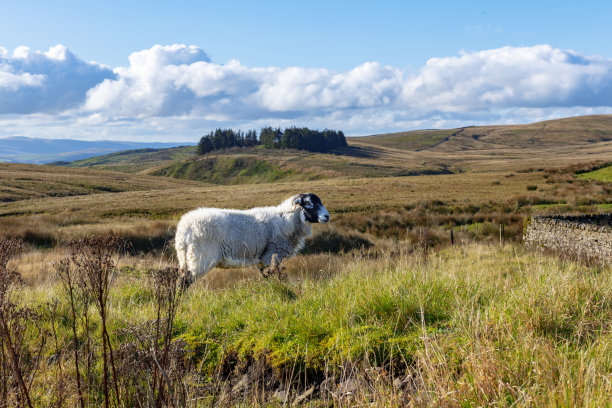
(308, 205)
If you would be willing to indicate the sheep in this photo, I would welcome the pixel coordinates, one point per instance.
(209, 237)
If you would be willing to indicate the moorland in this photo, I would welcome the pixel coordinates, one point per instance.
(378, 309)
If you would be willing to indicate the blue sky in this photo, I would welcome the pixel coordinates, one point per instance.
(174, 70)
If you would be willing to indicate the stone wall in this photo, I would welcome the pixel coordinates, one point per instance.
(588, 236)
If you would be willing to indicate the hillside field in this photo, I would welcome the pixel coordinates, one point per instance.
(482, 149)
(379, 309)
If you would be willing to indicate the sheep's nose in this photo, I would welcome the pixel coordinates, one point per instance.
(325, 218)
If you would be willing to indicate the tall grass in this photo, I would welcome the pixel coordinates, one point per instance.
(467, 325)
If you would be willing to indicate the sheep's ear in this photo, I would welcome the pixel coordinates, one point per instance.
(297, 200)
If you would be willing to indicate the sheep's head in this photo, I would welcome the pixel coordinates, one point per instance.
(314, 210)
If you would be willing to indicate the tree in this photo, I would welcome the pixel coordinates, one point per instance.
(250, 139)
(270, 138)
(292, 138)
(312, 140)
(205, 144)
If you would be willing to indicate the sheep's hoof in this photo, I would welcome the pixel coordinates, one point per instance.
(186, 280)
(264, 272)
(275, 269)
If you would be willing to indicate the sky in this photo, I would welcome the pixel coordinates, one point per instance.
(172, 71)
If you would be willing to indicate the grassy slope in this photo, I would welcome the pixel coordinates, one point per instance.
(231, 170)
(573, 131)
(26, 181)
(351, 161)
(341, 195)
(389, 207)
(414, 140)
(603, 174)
(482, 148)
(495, 148)
(133, 161)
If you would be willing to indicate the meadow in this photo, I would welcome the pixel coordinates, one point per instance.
(381, 308)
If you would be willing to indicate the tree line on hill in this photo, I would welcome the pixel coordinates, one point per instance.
(290, 138)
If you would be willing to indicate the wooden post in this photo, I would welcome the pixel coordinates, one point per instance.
(501, 234)
(452, 238)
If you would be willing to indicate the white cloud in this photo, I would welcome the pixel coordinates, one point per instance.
(302, 89)
(150, 86)
(46, 82)
(539, 76)
(157, 83)
(163, 82)
(13, 82)
(177, 89)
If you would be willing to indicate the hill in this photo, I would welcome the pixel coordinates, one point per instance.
(581, 130)
(20, 182)
(482, 148)
(508, 147)
(42, 151)
(134, 161)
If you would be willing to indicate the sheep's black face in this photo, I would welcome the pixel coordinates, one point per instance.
(314, 210)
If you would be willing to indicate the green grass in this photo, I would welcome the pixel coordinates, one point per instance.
(603, 174)
(414, 140)
(132, 161)
(231, 170)
(492, 323)
(474, 326)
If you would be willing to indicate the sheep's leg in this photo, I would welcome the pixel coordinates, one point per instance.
(186, 279)
(186, 276)
(199, 262)
(278, 253)
(273, 269)
(263, 270)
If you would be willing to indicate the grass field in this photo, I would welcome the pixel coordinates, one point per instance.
(133, 161)
(472, 325)
(378, 310)
(603, 174)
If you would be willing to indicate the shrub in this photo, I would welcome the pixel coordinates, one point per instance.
(332, 241)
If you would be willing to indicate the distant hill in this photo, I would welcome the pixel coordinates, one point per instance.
(42, 151)
(134, 161)
(432, 151)
(579, 130)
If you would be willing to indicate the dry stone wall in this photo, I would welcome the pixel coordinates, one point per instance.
(588, 236)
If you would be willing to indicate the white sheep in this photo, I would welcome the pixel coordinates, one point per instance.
(208, 237)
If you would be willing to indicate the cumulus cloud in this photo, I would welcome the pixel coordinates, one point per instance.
(46, 82)
(150, 86)
(179, 80)
(539, 76)
(177, 88)
(365, 86)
